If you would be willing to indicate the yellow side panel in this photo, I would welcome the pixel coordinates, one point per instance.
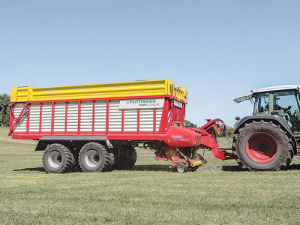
(92, 91)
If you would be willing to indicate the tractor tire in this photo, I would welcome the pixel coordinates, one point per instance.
(93, 157)
(262, 145)
(58, 158)
(291, 154)
(127, 160)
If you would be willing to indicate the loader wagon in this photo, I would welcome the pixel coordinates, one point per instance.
(97, 126)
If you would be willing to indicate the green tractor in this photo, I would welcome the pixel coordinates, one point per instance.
(269, 138)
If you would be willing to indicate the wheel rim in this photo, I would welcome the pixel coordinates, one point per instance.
(92, 158)
(181, 168)
(261, 148)
(54, 159)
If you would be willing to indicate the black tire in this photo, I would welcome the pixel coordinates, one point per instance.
(126, 159)
(93, 157)
(110, 162)
(262, 145)
(131, 158)
(291, 154)
(57, 158)
(76, 166)
(112, 158)
(181, 168)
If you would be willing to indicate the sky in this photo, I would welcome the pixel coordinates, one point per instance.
(217, 49)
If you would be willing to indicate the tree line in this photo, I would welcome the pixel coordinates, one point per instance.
(188, 123)
(4, 110)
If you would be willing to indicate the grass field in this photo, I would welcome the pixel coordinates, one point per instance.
(217, 193)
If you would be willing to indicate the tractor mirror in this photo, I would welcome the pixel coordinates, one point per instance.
(244, 98)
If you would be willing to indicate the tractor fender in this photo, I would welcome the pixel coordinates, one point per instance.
(277, 120)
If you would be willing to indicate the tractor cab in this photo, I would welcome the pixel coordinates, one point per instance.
(280, 101)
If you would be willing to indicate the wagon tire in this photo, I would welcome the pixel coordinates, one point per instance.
(110, 162)
(262, 145)
(93, 157)
(131, 158)
(127, 159)
(181, 167)
(76, 166)
(57, 158)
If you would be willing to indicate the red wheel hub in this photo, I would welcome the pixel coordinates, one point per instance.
(261, 148)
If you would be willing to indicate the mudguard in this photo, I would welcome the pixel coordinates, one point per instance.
(278, 119)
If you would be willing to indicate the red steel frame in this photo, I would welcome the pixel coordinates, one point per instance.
(176, 114)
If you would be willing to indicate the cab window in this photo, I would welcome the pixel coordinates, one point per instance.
(284, 100)
(261, 105)
(286, 106)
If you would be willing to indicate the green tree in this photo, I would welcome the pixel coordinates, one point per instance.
(4, 110)
(190, 124)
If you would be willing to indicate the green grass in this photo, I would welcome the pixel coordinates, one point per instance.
(217, 193)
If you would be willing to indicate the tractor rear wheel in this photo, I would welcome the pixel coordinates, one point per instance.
(262, 146)
(57, 158)
(93, 157)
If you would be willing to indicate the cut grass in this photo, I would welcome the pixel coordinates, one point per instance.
(217, 193)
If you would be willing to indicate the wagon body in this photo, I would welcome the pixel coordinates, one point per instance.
(138, 110)
(98, 125)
